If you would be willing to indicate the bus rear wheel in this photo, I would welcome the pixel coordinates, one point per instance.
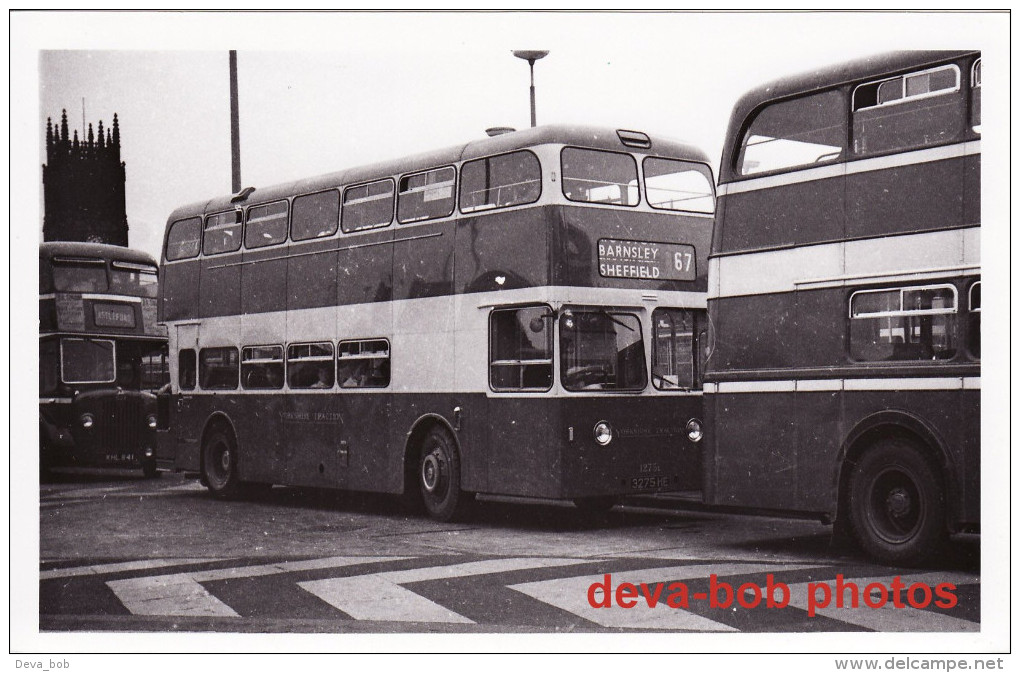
(439, 477)
(219, 464)
(896, 503)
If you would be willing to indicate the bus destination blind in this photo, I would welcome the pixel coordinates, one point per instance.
(645, 260)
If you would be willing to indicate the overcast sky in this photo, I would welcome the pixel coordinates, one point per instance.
(321, 92)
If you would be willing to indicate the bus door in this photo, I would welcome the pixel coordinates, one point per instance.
(184, 431)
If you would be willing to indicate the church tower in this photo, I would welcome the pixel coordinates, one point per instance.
(83, 186)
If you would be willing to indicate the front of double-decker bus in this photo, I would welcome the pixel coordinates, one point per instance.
(101, 356)
(595, 370)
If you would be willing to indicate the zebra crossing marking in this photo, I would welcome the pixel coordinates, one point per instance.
(890, 618)
(380, 597)
(126, 566)
(182, 595)
(571, 594)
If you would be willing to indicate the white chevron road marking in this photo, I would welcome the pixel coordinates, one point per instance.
(182, 595)
(380, 597)
(571, 594)
(110, 568)
(890, 618)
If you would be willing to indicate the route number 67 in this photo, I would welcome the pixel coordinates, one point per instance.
(682, 260)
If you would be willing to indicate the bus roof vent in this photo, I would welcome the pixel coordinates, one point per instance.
(634, 139)
(242, 195)
(499, 130)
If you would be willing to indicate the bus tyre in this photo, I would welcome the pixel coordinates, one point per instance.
(219, 464)
(897, 505)
(439, 477)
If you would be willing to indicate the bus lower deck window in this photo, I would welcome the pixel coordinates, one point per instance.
(520, 348)
(903, 324)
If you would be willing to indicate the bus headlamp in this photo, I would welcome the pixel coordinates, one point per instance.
(603, 433)
(87, 421)
(150, 420)
(694, 430)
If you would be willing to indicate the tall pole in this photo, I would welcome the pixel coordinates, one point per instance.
(235, 128)
(531, 66)
(531, 55)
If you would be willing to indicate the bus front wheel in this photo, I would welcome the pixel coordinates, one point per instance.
(439, 476)
(219, 464)
(896, 503)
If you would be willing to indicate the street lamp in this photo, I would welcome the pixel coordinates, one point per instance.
(531, 55)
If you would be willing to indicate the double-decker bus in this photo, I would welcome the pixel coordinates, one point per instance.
(845, 301)
(101, 357)
(519, 315)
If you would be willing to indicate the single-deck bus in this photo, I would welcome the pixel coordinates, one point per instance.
(101, 357)
(519, 315)
(845, 301)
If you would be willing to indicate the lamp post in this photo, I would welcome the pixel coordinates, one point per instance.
(531, 55)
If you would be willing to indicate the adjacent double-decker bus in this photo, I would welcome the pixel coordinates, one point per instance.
(101, 357)
(845, 301)
(519, 315)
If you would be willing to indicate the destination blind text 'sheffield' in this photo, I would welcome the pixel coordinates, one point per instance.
(646, 260)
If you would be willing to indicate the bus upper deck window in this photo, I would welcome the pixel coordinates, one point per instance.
(222, 233)
(975, 96)
(596, 176)
(315, 215)
(184, 239)
(139, 280)
(907, 111)
(798, 133)
(678, 185)
(426, 196)
(266, 225)
(79, 275)
(500, 181)
(367, 206)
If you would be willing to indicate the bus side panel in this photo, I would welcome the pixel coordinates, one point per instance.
(365, 454)
(503, 251)
(760, 343)
(365, 273)
(423, 261)
(311, 275)
(820, 340)
(754, 464)
(972, 189)
(820, 428)
(525, 444)
(220, 286)
(179, 283)
(263, 281)
(919, 197)
(311, 441)
(649, 451)
(260, 426)
(797, 214)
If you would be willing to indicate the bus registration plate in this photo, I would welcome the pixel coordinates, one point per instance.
(646, 483)
(644, 260)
